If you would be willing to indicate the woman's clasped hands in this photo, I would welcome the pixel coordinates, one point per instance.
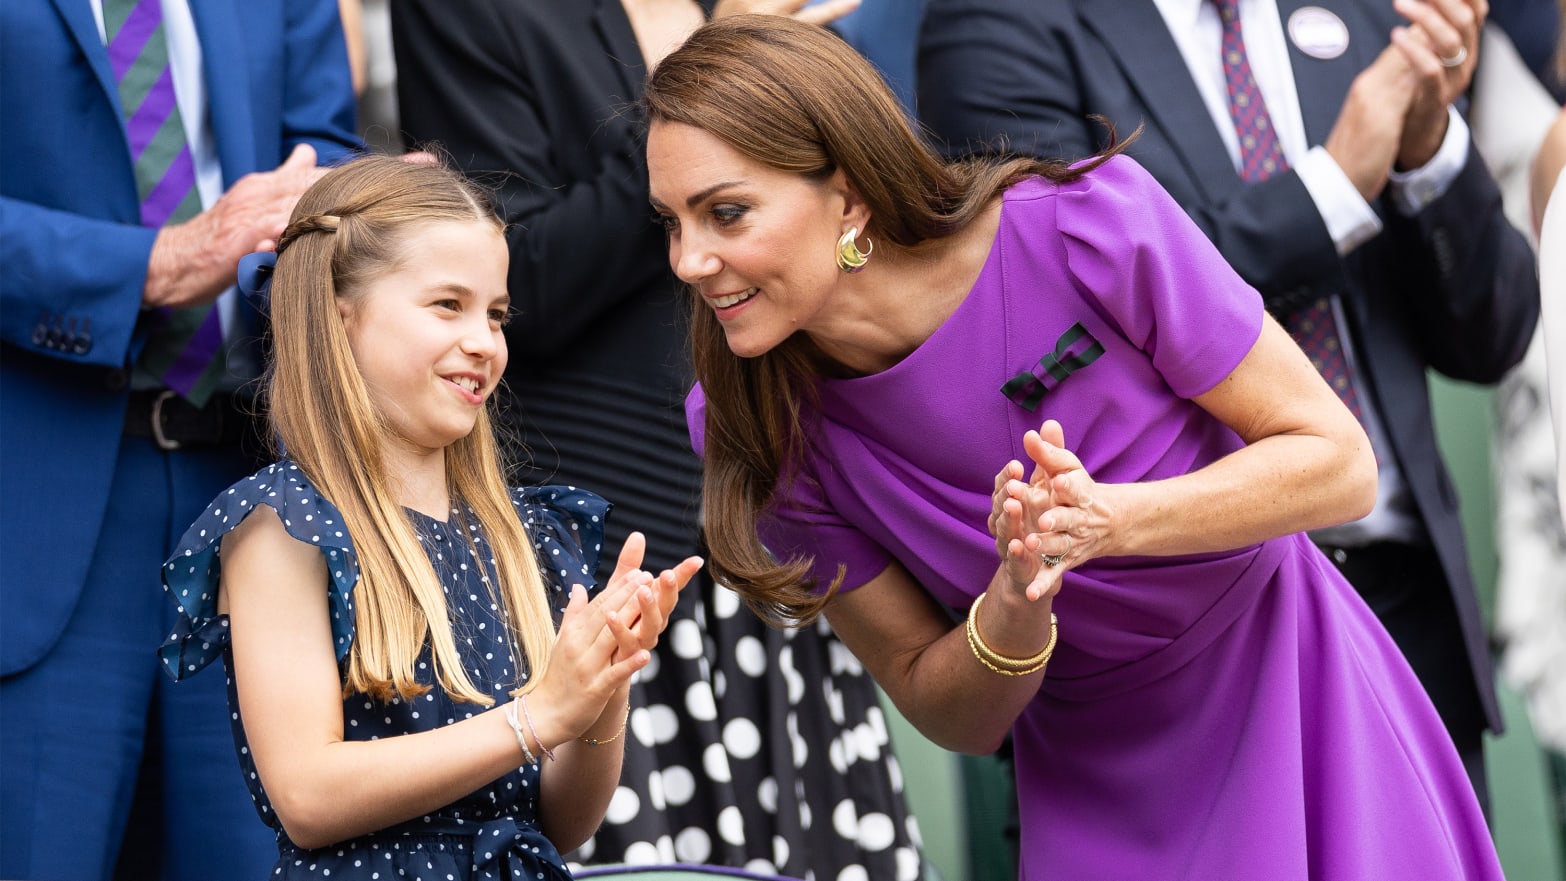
(1049, 522)
(602, 642)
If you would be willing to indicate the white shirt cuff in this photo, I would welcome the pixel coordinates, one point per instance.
(1349, 218)
(1413, 190)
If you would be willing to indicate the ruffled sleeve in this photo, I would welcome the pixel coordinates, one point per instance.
(191, 575)
(1157, 275)
(567, 528)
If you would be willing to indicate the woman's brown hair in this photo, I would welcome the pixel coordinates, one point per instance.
(797, 98)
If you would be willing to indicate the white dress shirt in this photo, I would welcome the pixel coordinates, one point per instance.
(1198, 33)
(1349, 219)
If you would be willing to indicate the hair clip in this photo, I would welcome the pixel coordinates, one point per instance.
(255, 279)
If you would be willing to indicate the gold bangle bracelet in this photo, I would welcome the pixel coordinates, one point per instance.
(591, 741)
(1003, 664)
(991, 659)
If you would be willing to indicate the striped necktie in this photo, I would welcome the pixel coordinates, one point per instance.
(1313, 325)
(185, 349)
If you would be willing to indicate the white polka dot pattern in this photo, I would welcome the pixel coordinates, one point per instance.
(488, 835)
(740, 736)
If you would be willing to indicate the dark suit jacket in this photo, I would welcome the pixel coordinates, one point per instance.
(1452, 289)
(73, 257)
(539, 100)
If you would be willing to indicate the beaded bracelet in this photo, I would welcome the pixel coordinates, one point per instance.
(516, 728)
(1003, 664)
(548, 753)
(590, 741)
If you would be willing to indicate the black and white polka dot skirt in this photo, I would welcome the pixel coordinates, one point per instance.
(760, 749)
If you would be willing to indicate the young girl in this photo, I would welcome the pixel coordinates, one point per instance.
(384, 605)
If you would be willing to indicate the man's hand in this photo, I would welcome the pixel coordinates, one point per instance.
(821, 13)
(1369, 130)
(194, 261)
(1441, 47)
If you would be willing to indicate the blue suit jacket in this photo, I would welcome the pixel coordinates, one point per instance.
(1452, 289)
(73, 257)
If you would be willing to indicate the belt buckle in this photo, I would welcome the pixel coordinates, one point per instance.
(163, 441)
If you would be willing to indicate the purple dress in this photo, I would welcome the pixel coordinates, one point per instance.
(1233, 715)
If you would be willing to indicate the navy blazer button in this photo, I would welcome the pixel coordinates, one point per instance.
(117, 379)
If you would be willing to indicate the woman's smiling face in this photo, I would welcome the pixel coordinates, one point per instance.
(756, 243)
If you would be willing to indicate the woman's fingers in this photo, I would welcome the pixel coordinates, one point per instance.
(1049, 458)
(1030, 570)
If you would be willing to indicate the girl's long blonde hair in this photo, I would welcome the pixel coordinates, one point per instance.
(347, 230)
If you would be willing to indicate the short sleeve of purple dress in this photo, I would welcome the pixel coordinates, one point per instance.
(1226, 715)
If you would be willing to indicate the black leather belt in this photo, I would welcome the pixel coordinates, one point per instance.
(175, 423)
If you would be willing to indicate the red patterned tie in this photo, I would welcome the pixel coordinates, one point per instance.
(1312, 325)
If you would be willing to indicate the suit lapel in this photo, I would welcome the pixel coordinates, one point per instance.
(84, 28)
(1322, 83)
(1135, 33)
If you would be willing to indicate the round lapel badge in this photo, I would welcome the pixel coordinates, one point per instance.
(1318, 32)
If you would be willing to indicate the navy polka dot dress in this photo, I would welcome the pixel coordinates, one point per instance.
(490, 835)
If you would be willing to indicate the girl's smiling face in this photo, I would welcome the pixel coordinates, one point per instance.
(756, 243)
(426, 335)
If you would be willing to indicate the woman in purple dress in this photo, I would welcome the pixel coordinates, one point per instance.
(883, 340)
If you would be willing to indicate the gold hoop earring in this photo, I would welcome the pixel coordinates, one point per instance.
(849, 258)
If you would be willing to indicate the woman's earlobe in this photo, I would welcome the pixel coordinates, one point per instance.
(850, 258)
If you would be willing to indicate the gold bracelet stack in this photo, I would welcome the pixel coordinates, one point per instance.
(590, 741)
(1006, 666)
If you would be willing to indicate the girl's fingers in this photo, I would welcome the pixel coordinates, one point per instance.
(622, 587)
(681, 574)
(650, 620)
(621, 671)
(625, 638)
(631, 555)
(576, 602)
